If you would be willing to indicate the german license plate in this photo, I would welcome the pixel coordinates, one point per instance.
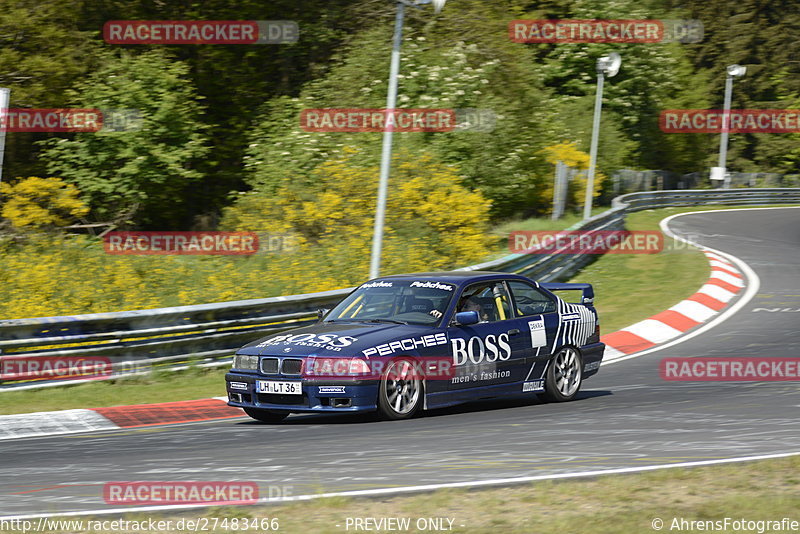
(279, 387)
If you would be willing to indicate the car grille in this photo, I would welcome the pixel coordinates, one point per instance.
(269, 366)
(284, 366)
(291, 366)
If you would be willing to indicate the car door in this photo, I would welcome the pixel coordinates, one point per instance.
(492, 351)
(537, 312)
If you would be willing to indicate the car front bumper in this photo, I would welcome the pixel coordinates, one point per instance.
(328, 396)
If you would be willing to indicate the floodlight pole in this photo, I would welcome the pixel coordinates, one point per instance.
(598, 104)
(5, 97)
(386, 154)
(723, 140)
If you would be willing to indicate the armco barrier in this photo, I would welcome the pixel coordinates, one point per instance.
(210, 333)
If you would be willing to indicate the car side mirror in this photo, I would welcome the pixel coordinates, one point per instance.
(467, 317)
(321, 313)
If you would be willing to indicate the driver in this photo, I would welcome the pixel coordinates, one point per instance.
(470, 303)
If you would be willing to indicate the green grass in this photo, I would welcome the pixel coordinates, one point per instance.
(613, 504)
(159, 386)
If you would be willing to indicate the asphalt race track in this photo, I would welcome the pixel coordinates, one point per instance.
(625, 416)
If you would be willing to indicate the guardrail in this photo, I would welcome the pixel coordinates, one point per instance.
(210, 333)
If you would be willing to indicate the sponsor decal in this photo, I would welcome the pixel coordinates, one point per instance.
(432, 285)
(60, 367)
(570, 317)
(332, 342)
(533, 385)
(586, 242)
(476, 349)
(238, 385)
(591, 366)
(538, 333)
(736, 121)
(181, 243)
(379, 283)
(200, 32)
(331, 389)
(408, 344)
(736, 369)
(479, 376)
(119, 493)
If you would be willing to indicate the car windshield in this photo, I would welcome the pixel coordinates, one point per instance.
(395, 301)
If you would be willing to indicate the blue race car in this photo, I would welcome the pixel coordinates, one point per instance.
(404, 343)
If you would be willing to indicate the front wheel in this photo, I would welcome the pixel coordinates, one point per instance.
(265, 416)
(564, 376)
(400, 391)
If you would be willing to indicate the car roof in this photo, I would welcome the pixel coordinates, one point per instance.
(456, 277)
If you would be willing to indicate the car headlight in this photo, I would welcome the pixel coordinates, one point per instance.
(245, 363)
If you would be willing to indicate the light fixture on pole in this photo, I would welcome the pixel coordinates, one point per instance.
(719, 172)
(606, 66)
(386, 152)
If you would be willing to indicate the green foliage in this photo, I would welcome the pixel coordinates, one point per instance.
(149, 167)
(332, 221)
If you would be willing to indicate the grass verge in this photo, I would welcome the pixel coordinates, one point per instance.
(158, 386)
(612, 504)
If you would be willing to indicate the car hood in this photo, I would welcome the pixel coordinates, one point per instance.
(333, 339)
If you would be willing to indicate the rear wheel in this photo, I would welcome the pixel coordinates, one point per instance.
(400, 391)
(265, 416)
(564, 376)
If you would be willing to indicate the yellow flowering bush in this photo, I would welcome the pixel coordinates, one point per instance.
(41, 202)
(432, 222)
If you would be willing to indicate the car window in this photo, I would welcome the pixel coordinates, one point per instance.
(489, 299)
(408, 301)
(529, 300)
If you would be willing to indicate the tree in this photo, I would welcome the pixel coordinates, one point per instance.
(152, 162)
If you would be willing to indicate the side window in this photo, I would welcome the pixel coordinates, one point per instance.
(489, 299)
(529, 300)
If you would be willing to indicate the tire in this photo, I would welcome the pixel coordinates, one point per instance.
(564, 376)
(400, 391)
(265, 416)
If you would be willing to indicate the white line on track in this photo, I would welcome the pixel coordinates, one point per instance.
(423, 488)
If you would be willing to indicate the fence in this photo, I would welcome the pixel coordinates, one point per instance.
(210, 333)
